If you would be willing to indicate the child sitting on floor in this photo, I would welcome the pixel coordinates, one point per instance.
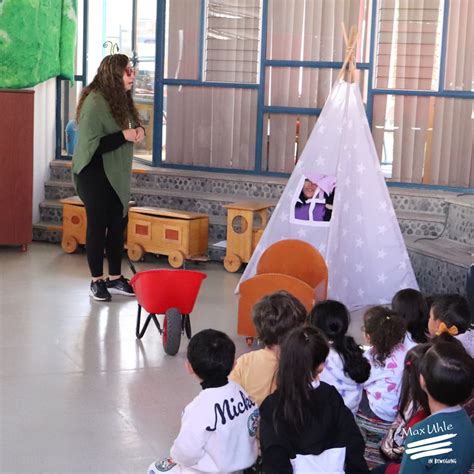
(218, 427)
(305, 425)
(412, 307)
(450, 313)
(412, 409)
(346, 368)
(274, 316)
(443, 442)
(385, 332)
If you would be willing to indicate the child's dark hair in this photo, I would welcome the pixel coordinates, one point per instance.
(275, 315)
(302, 351)
(385, 329)
(411, 305)
(332, 318)
(448, 371)
(211, 354)
(411, 391)
(452, 310)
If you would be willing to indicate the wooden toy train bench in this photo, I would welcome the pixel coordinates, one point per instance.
(179, 234)
(74, 224)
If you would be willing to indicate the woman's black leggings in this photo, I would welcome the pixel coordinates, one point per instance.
(105, 221)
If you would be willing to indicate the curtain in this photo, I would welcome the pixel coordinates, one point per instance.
(232, 41)
(304, 30)
(408, 44)
(451, 159)
(460, 48)
(424, 139)
(211, 126)
(182, 58)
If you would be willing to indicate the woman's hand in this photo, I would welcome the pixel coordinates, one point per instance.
(130, 134)
(140, 134)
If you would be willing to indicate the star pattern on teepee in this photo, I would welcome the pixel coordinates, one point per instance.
(377, 249)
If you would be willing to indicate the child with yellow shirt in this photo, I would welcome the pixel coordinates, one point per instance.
(274, 316)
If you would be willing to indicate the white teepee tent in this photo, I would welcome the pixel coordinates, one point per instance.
(361, 243)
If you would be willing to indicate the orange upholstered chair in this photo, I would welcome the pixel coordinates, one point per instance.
(291, 265)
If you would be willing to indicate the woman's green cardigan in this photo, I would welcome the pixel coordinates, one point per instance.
(96, 121)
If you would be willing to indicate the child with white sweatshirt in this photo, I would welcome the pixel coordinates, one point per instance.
(218, 428)
(345, 368)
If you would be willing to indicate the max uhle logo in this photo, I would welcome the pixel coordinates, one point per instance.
(430, 446)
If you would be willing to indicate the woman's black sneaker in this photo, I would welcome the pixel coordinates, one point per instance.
(99, 291)
(120, 286)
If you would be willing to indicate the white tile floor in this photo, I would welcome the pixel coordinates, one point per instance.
(79, 393)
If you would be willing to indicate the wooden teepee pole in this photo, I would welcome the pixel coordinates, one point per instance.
(351, 45)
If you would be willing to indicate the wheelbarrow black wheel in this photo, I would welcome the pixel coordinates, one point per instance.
(187, 326)
(172, 331)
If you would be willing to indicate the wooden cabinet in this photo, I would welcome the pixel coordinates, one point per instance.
(16, 166)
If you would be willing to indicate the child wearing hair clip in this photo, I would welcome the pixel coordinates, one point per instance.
(443, 442)
(450, 313)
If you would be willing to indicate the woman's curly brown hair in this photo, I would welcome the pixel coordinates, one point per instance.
(109, 82)
(385, 329)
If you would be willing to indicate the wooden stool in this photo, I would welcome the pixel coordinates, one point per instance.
(74, 224)
(246, 221)
(178, 234)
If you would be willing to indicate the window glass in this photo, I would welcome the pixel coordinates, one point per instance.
(284, 138)
(232, 42)
(118, 16)
(304, 87)
(425, 139)
(144, 87)
(408, 44)
(459, 67)
(211, 126)
(69, 99)
(311, 30)
(182, 39)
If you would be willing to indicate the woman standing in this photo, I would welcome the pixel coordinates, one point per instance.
(102, 162)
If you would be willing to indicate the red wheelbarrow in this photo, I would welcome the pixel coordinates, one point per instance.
(171, 293)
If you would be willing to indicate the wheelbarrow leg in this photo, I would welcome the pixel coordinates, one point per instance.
(187, 326)
(139, 333)
(137, 330)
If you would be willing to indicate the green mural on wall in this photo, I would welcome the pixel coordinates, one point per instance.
(37, 41)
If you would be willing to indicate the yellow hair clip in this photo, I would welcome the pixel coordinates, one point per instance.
(453, 330)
